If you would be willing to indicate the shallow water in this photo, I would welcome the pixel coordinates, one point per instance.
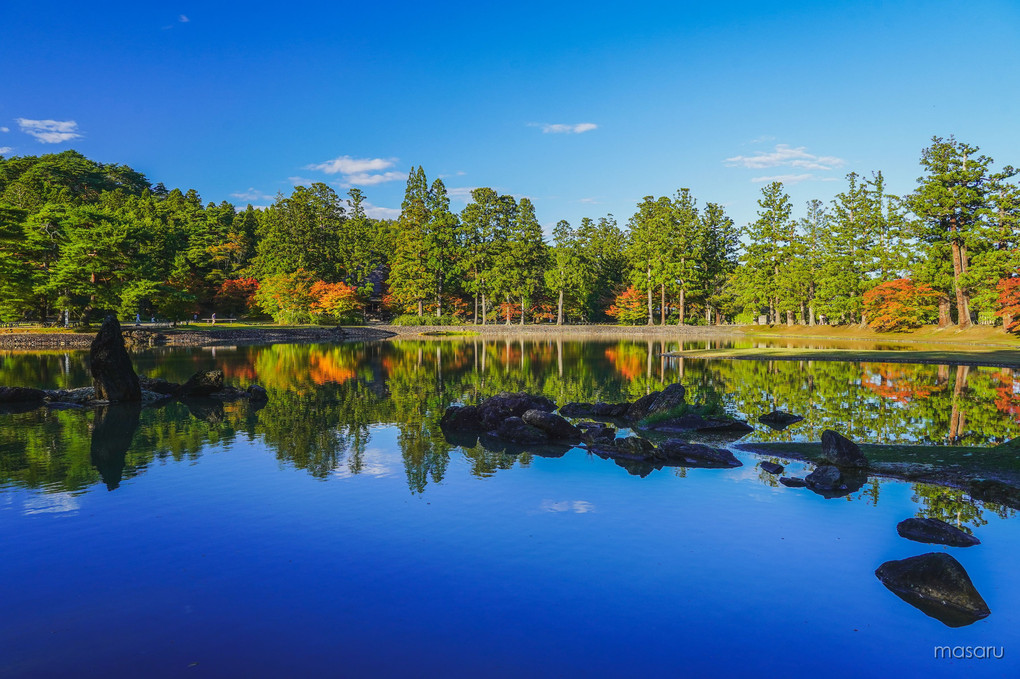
(335, 531)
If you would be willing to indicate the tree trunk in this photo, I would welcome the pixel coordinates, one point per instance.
(803, 314)
(522, 310)
(708, 315)
(421, 311)
(943, 311)
(559, 310)
(662, 305)
(683, 306)
(508, 309)
(789, 317)
(484, 315)
(474, 320)
(962, 310)
(651, 318)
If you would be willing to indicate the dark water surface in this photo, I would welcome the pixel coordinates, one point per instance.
(336, 532)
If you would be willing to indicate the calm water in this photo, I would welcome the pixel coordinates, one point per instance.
(335, 531)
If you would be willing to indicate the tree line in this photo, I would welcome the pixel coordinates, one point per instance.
(80, 238)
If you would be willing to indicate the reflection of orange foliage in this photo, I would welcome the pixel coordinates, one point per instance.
(240, 372)
(326, 368)
(626, 361)
(896, 383)
(1007, 400)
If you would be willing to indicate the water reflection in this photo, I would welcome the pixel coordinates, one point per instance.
(326, 401)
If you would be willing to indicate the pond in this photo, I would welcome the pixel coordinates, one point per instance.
(336, 531)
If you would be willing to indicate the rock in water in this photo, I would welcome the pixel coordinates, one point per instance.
(516, 430)
(825, 477)
(21, 395)
(552, 424)
(841, 451)
(772, 467)
(670, 398)
(779, 420)
(793, 482)
(688, 454)
(936, 532)
(937, 585)
(112, 373)
(203, 383)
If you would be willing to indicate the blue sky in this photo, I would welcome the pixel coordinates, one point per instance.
(584, 108)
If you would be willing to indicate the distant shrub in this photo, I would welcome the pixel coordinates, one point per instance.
(414, 319)
(629, 308)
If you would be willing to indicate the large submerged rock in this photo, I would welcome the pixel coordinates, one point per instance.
(933, 531)
(552, 424)
(203, 383)
(490, 413)
(113, 375)
(842, 452)
(937, 585)
(689, 454)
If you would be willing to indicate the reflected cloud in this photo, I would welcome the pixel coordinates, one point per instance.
(575, 506)
(52, 503)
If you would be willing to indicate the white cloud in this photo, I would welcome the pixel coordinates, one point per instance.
(786, 156)
(360, 171)
(5, 129)
(367, 179)
(302, 181)
(348, 165)
(183, 19)
(461, 193)
(792, 178)
(251, 195)
(376, 212)
(4, 150)
(561, 128)
(49, 131)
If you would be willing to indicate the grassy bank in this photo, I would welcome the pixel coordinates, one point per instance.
(979, 334)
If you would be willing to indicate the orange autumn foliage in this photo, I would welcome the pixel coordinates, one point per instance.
(900, 305)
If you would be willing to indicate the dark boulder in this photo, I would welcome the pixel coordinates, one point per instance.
(159, 386)
(825, 477)
(552, 424)
(112, 373)
(937, 585)
(493, 410)
(830, 481)
(596, 432)
(203, 383)
(609, 409)
(640, 408)
(937, 532)
(779, 420)
(670, 398)
(257, 393)
(793, 482)
(686, 454)
(577, 410)
(21, 395)
(841, 451)
(772, 467)
(516, 430)
(461, 418)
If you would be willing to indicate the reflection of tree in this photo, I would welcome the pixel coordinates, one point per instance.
(948, 504)
(325, 399)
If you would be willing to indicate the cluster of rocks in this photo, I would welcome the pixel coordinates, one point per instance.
(532, 421)
(934, 583)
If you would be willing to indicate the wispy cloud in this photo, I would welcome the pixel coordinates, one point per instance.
(300, 181)
(4, 150)
(5, 129)
(184, 19)
(792, 178)
(786, 156)
(252, 195)
(367, 179)
(49, 131)
(562, 128)
(360, 171)
(377, 212)
(460, 193)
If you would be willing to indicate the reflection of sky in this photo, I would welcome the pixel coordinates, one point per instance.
(376, 462)
(50, 503)
(575, 506)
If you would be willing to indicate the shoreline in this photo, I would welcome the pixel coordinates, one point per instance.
(269, 334)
